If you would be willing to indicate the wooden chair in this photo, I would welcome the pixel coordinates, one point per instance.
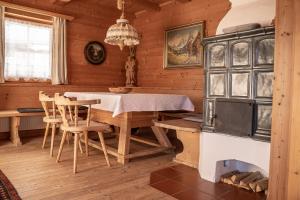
(51, 118)
(71, 123)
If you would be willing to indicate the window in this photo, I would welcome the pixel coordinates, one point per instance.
(28, 50)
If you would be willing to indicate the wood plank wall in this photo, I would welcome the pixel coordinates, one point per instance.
(285, 146)
(151, 26)
(91, 23)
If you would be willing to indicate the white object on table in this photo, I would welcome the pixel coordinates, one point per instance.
(135, 102)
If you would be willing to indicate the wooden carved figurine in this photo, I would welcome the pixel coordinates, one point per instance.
(130, 68)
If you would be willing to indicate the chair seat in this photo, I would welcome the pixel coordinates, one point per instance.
(58, 119)
(51, 119)
(82, 126)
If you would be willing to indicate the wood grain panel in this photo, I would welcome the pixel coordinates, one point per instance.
(35, 176)
(92, 18)
(285, 146)
(151, 27)
(91, 22)
(26, 95)
(294, 157)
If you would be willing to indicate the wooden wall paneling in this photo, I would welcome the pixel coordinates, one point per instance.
(285, 142)
(26, 95)
(60, 2)
(151, 26)
(92, 18)
(294, 151)
(91, 22)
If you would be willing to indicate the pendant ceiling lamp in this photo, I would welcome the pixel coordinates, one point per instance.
(122, 33)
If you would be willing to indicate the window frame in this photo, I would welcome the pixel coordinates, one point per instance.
(34, 18)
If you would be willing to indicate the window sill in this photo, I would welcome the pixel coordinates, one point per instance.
(27, 84)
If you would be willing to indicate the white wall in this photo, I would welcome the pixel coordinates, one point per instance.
(248, 11)
(216, 147)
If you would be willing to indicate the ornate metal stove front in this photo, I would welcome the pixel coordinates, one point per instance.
(240, 66)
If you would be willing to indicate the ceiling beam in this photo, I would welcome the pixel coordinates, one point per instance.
(184, 1)
(147, 5)
(60, 2)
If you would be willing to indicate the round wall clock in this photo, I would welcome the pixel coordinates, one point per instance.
(94, 53)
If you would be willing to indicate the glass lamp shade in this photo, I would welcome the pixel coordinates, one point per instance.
(122, 34)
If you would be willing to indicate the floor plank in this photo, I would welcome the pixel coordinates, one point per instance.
(37, 176)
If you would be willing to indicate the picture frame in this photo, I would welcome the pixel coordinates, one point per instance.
(183, 46)
(94, 53)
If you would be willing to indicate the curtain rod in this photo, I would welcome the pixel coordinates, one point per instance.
(34, 10)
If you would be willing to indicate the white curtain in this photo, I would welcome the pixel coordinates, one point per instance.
(27, 50)
(2, 44)
(59, 57)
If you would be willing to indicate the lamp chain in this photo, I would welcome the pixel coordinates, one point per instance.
(121, 6)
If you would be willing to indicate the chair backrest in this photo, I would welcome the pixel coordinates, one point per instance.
(68, 109)
(48, 104)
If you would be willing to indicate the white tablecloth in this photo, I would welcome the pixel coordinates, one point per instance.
(120, 103)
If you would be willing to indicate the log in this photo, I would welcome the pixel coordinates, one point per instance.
(262, 185)
(253, 185)
(228, 181)
(238, 177)
(254, 176)
(243, 186)
(226, 177)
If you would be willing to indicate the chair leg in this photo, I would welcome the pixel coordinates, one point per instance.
(45, 135)
(68, 138)
(100, 134)
(86, 143)
(75, 153)
(79, 143)
(62, 142)
(52, 139)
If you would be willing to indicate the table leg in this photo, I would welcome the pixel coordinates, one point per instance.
(161, 136)
(117, 132)
(14, 131)
(124, 140)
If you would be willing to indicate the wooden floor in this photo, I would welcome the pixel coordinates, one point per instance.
(37, 176)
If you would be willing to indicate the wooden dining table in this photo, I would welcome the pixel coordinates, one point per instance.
(133, 110)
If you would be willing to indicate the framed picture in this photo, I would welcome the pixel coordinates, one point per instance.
(183, 46)
(94, 53)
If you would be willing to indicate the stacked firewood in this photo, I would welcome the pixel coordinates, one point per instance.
(254, 181)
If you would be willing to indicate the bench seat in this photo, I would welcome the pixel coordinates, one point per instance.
(15, 117)
(179, 124)
(188, 132)
(15, 113)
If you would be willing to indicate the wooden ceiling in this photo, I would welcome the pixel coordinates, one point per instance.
(132, 6)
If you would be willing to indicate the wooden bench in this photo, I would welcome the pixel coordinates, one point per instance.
(15, 117)
(188, 132)
(178, 115)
